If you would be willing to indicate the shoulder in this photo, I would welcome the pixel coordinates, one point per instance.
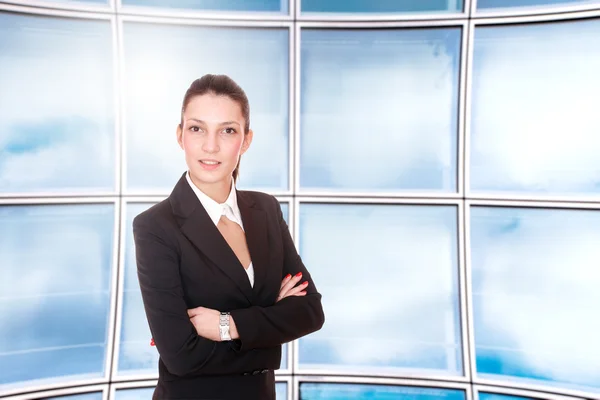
(153, 216)
(264, 201)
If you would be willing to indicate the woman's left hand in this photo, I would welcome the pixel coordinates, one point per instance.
(206, 322)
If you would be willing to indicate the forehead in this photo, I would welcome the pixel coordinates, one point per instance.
(210, 107)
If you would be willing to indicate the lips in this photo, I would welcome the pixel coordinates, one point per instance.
(209, 165)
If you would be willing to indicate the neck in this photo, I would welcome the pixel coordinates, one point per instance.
(218, 191)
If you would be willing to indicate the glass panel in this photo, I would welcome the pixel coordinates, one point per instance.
(50, 142)
(273, 6)
(257, 59)
(136, 356)
(529, 329)
(387, 119)
(528, 132)
(83, 396)
(409, 254)
(485, 4)
(281, 391)
(495, 396)
(343, 391)
(54, 292)
(134, 394)
(381, 6)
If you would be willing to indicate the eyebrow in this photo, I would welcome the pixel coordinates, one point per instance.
(220, 123)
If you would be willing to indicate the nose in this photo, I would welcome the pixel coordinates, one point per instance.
(210, 144)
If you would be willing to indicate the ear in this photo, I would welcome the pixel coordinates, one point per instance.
(179, 133)
(247, 141)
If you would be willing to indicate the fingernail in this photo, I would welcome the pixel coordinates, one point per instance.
(299, 274)
(152, 342)
(305, 283)
(288, 276)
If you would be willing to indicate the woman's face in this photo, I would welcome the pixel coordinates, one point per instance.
(213, 139)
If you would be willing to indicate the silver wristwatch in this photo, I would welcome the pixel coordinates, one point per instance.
(224, 326)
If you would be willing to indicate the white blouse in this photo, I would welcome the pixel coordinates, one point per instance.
(215, 210)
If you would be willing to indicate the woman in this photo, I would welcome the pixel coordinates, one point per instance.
(222, 283)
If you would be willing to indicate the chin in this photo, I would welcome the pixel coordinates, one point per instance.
(208, 178)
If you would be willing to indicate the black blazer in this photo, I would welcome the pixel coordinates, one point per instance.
(183, 262)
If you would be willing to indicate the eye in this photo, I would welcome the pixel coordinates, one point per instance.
(194, 128)
(230, 130)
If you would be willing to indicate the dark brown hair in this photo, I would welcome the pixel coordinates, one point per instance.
(219, 85)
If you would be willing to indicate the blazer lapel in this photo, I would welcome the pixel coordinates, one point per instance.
(197, 226)
(255, 227)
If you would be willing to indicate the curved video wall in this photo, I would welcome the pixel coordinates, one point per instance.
(436, 161)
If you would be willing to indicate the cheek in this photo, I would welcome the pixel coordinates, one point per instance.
(190, 143)
(232, 148)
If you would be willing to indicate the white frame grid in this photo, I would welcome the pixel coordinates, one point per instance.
(506, 21)
(468, 20)
(341, 194)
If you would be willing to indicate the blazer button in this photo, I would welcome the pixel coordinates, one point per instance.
(264, 371)
(256, 372)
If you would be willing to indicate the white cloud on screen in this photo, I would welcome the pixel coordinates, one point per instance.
(55, 262)
(535, 122)
(387, 279)
(540, 286)
(67, 87)
(387, 113)
(88, 156)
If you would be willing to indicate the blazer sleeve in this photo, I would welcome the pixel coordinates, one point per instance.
(181, 349)
(290, 318)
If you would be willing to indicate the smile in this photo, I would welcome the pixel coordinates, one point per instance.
(209, 165)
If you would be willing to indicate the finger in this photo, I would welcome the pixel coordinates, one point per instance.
(284, 292)
(299, 294)
(291, 283)
(285, 284)
(297, 289)
(302, 293)
(285, 280)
